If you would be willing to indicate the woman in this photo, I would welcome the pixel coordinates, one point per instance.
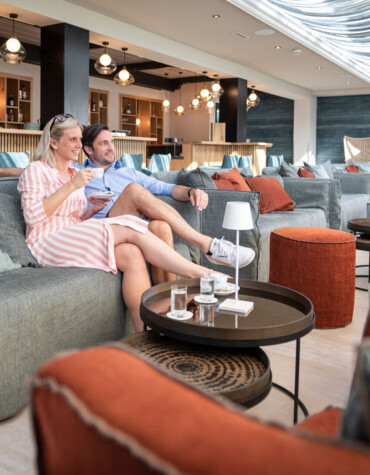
(61, 231)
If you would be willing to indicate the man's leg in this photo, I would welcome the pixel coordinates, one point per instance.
(139, 201)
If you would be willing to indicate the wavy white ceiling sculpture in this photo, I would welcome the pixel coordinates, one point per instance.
(337, 29)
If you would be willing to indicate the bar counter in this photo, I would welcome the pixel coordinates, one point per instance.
(19, 140)
(211, 153)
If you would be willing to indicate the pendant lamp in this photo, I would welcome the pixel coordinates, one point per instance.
(205, 94)
(12, 51)
(180, 109)
(195, 103)
(124, 77)
(216, 88)
(166, 103)
(210, 106)
(105, 64)
(253, 100)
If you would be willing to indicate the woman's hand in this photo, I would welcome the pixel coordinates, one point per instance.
(98, 203)
(81, 178)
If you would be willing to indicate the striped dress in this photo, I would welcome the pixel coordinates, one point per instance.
(62, 239)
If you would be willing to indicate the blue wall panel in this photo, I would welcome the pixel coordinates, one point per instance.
(337, 117)
(272, 121)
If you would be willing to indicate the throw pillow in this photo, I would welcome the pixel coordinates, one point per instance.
(14, 159)
(12, 231)
(6, 263)
(273, 197)
(246, 171)
(195, 178)
(231, 180)
(304, 173)
(245, 161)
(328, 168)
(287, 170)
(352, 169)
(274, 160)
(356, 418)
(363, 167)
(230, 161)
(318, 170)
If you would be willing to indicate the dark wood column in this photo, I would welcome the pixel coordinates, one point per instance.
(64, 72)
(233, 109)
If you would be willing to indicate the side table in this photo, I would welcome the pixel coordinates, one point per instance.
(361, 229)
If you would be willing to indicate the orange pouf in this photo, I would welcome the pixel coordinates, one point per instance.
(320, 264)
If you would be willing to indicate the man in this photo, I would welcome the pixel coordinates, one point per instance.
(134, 194)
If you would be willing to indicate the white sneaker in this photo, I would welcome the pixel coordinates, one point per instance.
(224, 253)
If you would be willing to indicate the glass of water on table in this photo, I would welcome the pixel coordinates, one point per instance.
(179, 295)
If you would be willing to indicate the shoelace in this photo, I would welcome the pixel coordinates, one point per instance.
(225, 248)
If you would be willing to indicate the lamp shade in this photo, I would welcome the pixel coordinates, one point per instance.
(238, 216)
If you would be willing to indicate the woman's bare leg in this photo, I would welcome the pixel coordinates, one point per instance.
(164, 232)
(158, 252)
(131, 262)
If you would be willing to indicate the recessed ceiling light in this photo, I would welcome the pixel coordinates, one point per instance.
(264, 32)
(277, 47)
(319, 68)
(216, 16)
(297, 51)
(348, 83)
(240, 35)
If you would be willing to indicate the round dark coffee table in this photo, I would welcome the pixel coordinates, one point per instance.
(279, 315)
(361, 229)
(243, 376)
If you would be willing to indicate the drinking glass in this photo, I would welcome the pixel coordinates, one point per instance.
(207, 315)
(179, 294)
(207, 288)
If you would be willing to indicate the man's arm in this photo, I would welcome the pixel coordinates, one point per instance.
(11, 171)
(197, 197)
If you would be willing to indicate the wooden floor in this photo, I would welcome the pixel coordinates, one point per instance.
(327, 362)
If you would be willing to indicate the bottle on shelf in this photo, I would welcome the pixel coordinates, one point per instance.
(10, 116)
(128, 110)
(24, 93)
(101, 103)
(20, 93)
(10, 100)
(20, 115)
(93, 105)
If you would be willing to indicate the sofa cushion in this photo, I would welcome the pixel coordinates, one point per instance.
(318, 170)
(231, 180)
(12, 231)
(288, 170)
(352, 169)
(305, 173)
(6, 263)
(273, 196)
(195, 178)
(328, 168)
(14, 159)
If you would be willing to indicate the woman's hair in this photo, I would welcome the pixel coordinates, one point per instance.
(54, 128)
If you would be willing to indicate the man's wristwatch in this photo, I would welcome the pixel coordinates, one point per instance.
(189, 190)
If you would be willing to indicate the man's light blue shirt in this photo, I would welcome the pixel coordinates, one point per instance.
(116, 178)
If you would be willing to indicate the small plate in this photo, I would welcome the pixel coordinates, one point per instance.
(227, 290)
(102, 194)
(187, 315)
(198, 299)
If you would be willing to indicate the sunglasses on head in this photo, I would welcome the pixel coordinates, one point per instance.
(61, 118)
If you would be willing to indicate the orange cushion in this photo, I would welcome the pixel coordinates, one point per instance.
(327, 423)
(104, 410)
(352, 169)
(231, 180)
(273, 197)
(305, 173)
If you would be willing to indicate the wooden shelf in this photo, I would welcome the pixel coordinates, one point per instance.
(15, 86)
(100, 115)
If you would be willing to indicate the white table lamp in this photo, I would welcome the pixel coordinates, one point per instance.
(237, 216)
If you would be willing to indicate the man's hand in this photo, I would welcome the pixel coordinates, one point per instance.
(198, 198)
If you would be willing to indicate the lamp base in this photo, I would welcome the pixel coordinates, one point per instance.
(237, 306)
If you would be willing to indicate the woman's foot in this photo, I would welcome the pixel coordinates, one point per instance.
(222, 252)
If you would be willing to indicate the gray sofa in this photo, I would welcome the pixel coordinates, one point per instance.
(349, 195)
(311, 209)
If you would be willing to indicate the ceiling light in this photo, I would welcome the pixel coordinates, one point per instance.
(216, 16)
(319, 68)
(264, 32)
(180, 110)
(252, 100)
(297, 51)
(12, 51)
(277, 47)
(105, 64)
(348, 83)
(195, 103)
(216, 87)
(210, 106)
(240, 35)
(124, 77)
(166, 103)
(205, 94)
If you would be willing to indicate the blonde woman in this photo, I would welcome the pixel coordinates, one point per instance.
(61, 231)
